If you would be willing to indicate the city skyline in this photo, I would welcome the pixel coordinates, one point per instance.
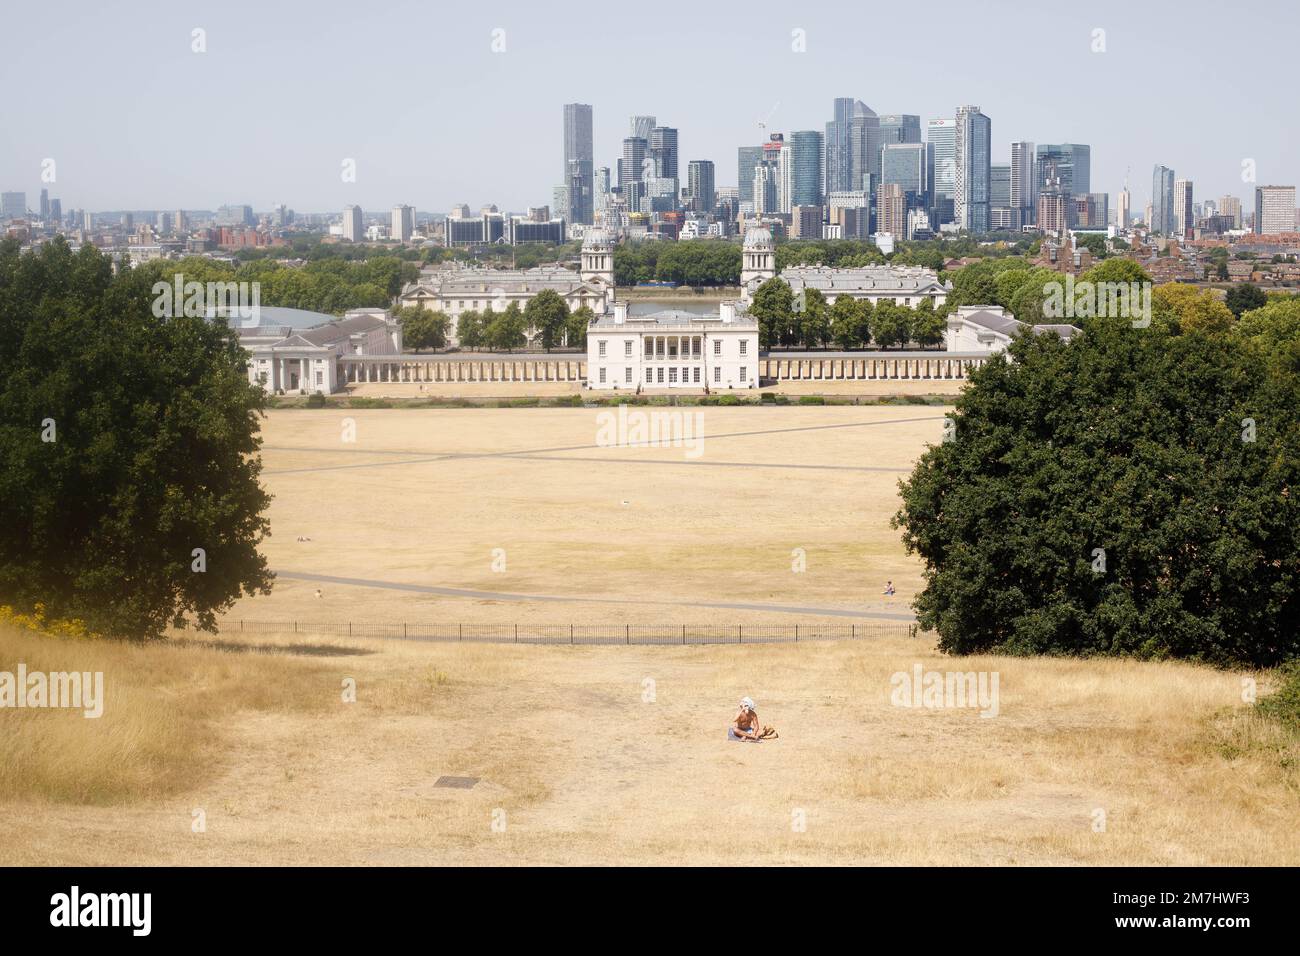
(143, 155)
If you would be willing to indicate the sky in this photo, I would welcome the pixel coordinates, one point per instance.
(441, 103)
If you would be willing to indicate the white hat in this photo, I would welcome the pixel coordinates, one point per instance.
(747, 703)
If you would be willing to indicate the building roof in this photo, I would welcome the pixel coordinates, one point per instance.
(994, 319)
(482, 282)
(676, 320)
(910, 279)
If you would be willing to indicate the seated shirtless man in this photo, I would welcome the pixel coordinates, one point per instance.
(745, 726)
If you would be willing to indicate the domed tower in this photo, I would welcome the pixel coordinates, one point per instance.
(758, 259)
(598, 260)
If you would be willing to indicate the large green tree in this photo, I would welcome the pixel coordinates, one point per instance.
(1133, 491)
(547, 314)
(129, 491)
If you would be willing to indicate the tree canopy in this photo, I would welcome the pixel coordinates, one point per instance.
(129, 491)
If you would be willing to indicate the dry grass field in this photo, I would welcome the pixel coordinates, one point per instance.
(584, 760)
(440, 497)
(612, 755)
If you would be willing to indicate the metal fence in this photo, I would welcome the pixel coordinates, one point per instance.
(583, 633)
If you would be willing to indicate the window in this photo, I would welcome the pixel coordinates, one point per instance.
(672, 374)
(744, 346)
(649, 376)
(319, 378)
(601, 348)
(743, 370)
(697, 375)
(649, 348)
(627, 374)
(661, 375)
(717, 374)
(717, 346)
(627, 348)
(695, 347)
(602, 375)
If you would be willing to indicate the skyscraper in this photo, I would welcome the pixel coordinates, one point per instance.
(13, 205)
(891, 210)
(631, 166)
(1000, 184)
(1184, 222)
(45, 205)
(700, 185)
(852, 145)
(403, 225)
(663, 151)
(1162, 201)
(1231, 206)
(941, 135)
(1274, 209)
(900, 128)
(1124, 212)
(641, 126)
(971, 155)
(1024, 182)
(806, 149)
(747, 157)
(765, 189)
(578, 162)
(1073, 163)
(906, 165)
(352, 223)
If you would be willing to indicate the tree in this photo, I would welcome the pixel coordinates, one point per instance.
(850, 322)
(505, 329)
(1106, 496)
(1244, 297)
(1185, 308)
(928, 325)
(575, 329)
(814, 325)
(129, 468)
(422, 328)
(471, 330)
(547, 313)
(772, 306)
(891, 324)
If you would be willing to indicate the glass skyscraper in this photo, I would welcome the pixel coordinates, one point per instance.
(971, 148)
(806, 174)
(1073, 162)
(1162, 201)
(578, 162)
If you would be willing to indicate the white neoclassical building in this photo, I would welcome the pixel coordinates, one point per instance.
(294, 350)
(987, 329)
(457, 290)
(673, 350)
(902, 285)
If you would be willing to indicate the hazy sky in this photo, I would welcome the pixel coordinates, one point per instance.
(414, 92)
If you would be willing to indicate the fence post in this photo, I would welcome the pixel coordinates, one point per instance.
(403, 630)
(516, 633)
(683, 633)
(627, 633)
(295, 627)
(796, 633)
(460, 632)
(570, 633)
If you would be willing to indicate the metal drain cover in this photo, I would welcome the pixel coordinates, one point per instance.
(459, 783)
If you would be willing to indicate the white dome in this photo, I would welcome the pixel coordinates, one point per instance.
(758, 237)
(595, 238)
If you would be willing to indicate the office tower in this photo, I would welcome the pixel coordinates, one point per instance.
(891, 209)
(13, 205)
(900, 128)
(663, 151)
(747, 157)
(128, 221)
(577, 171)
(1162, 201)
(941, 136)
(765, 189)
(163, 223)
(403, 226)
(631, 167)
(1125, 211)
(971, 151)
(1231, 206)
(1073, 164)
(1274, 209)
(907, 165)
(180, 222)
(1024, 182)
(852, 145)
(806, 151)
(56, 211)
(806, 222)
(641, 126)
(45, 205)
(1000, 184)
(87, 220)
(785, 178)
(1088, 211)
(1184, 219)
(600, 191)
(700, 184)
(352, 223)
